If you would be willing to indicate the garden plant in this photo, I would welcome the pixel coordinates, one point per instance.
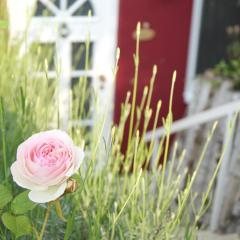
(108, 194)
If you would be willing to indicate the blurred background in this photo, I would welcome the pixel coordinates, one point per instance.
(190, 37)
(200, 39)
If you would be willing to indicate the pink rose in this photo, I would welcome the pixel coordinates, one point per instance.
(45, 162)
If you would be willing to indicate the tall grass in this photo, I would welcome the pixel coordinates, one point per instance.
(118, 197)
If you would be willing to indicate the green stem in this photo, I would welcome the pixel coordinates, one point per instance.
(85, 79)
(45, 222)
(136, 63)
(125, 204)
(167, 126)
(4, 153)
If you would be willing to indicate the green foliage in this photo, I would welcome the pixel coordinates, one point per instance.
(28, 103)
(121, 195)
(19, 225)
(233, 49)
(230, 70)
(70, 226)
(21, 203)
(5, 196)
(12, 212)
(3, 24)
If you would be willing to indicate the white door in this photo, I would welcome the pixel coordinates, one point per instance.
(65, 25)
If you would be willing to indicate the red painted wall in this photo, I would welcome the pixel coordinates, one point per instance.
(170, 19)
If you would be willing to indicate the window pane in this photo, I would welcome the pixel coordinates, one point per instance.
(42, 10)
(56, 2)
(81, 98)
(86, 133)
(44, 51)
(70, 2)
(79, 56)
(83, 9)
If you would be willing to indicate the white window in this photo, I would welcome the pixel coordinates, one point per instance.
(63, 25)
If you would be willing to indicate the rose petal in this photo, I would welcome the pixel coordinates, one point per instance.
(18, 177)
(48, 195)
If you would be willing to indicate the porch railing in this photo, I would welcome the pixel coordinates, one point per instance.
(224, 111)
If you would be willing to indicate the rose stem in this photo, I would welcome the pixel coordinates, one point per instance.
(45, 221)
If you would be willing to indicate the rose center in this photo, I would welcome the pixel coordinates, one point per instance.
(50, 155)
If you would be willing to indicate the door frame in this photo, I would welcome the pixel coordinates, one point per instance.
(193, 46)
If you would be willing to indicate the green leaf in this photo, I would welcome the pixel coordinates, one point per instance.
(69, 227)
(22, 204)
(5, 196)
(3, 24)
(19, 225)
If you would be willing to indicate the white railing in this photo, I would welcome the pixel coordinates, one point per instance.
(224, 111)
(198, 119)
